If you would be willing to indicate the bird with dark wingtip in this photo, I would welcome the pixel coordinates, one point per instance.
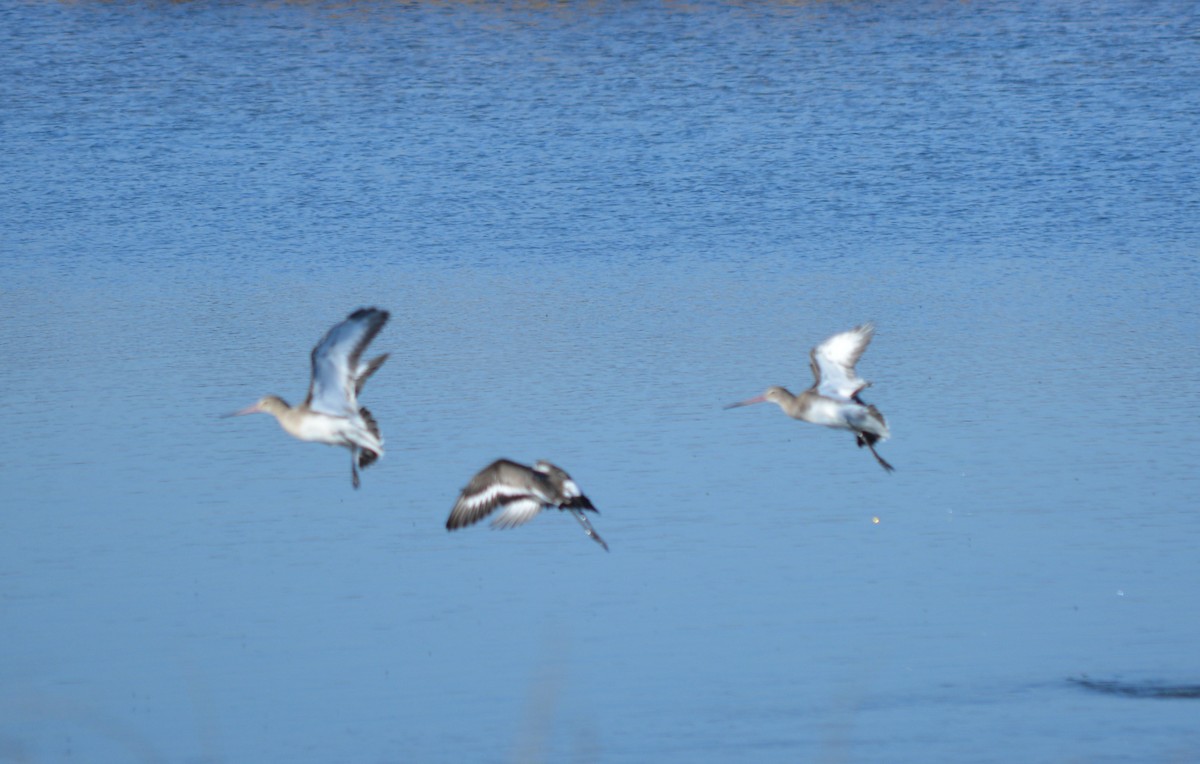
(520, 493)
(331, 414)
(833, 400)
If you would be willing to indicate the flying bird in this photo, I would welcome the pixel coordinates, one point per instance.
(331, 414)
(520, 493)
(833, 400)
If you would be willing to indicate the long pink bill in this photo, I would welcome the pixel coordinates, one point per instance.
(254, 409)
(748, 401)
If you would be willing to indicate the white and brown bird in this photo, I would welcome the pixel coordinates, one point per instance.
(833, 400)
(331, 414)
(520, 493)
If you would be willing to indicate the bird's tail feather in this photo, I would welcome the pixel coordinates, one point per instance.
(579, 502)
(367, 457)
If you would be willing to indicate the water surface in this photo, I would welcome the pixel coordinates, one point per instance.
(594, 226)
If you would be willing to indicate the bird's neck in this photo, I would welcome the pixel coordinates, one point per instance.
(276, 407)
(795, 405)
(289, 417)
(293, 420)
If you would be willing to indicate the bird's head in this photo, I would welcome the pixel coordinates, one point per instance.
(269, 404)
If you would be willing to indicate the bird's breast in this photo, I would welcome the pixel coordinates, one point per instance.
(826, 412)
(319, 428)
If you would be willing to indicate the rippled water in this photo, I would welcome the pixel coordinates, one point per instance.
(594, 225)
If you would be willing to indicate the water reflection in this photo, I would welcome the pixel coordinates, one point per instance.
(1139, 689)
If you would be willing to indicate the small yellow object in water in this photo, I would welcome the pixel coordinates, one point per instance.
(875, 520)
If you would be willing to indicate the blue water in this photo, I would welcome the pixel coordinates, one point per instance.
(594, 225)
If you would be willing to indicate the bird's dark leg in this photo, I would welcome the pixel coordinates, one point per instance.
(879, 458)
(587, 527)
(354, 467)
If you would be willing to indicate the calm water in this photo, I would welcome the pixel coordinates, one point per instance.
(595, 225)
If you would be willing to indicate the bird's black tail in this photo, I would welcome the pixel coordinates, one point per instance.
(579, 502)
(367, 457)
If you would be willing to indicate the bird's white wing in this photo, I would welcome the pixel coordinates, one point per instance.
(335, 362)
(517, 513)
(473, 505)
(833, 363)
(502, 483)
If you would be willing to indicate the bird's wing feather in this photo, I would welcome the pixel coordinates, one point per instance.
(335, 362)
(833, 363)
(365, 370)
(501, 484)
(517, 513)
(473, 506)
